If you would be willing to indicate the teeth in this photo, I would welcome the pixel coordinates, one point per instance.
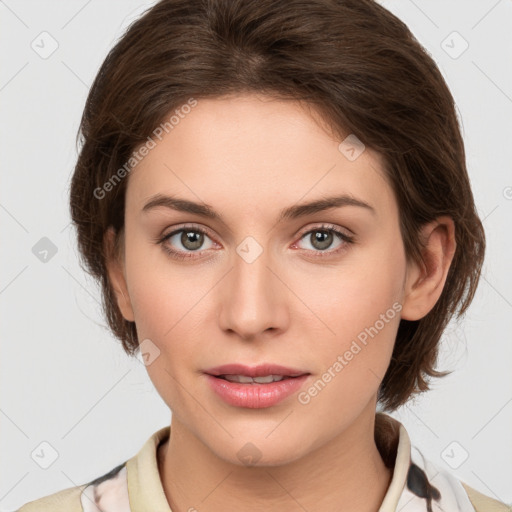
(244, 379)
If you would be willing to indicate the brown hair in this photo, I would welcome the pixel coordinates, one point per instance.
(353, 60)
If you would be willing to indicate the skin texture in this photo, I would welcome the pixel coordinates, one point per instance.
(248, 157)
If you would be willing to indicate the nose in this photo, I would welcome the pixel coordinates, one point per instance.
(253, 297)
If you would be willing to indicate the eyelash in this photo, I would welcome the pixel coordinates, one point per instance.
(180, 255)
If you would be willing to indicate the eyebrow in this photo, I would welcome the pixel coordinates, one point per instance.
(289, 213)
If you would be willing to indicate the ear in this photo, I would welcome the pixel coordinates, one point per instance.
(117, 275)
(425, 280)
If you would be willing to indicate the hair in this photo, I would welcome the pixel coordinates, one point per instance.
(354, 61)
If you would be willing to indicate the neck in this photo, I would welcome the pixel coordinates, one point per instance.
(348, 470)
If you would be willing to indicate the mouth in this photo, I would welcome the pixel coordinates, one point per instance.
(266, 379)
(263, 373)
(255, 387)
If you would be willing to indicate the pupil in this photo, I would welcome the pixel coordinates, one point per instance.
(321, 239)
(187, 239)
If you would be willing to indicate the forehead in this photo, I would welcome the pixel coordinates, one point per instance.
(252, 151)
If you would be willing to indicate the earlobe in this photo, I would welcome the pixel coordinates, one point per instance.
(425, 280)
(116, 275)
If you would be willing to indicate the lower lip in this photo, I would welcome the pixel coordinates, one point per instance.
(255, 396)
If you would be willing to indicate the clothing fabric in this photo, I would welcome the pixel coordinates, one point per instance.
(417, 485)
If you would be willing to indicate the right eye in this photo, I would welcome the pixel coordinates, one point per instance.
(190, 238)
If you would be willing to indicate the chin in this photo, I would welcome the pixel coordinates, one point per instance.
(260, 451)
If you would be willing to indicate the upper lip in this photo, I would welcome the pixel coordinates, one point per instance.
(260, 370)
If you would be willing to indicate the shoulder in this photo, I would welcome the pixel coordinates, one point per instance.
(483, 503)
(429, 481)
(420, 485)
(66, 500)
(135, 482)
(104, 492)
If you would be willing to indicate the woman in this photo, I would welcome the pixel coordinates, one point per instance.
(275, 199)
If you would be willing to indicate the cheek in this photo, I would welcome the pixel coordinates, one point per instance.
(352, 295)
(167, 323)
(352, 357)
(169, 305)
(359, 307)
(162, 295)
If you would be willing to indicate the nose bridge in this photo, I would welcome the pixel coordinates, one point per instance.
(252, 301)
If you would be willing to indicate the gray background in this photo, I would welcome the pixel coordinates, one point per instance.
(66, 382)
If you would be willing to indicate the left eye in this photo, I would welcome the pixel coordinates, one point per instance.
(190, 239)
(322, 238)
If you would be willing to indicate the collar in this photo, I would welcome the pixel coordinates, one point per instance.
(416, 485)
(394, 445)
(145, 488)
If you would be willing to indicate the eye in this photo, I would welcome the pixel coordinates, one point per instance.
(190, 238)
(322, 238)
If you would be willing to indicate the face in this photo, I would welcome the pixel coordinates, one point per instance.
(317, 290)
